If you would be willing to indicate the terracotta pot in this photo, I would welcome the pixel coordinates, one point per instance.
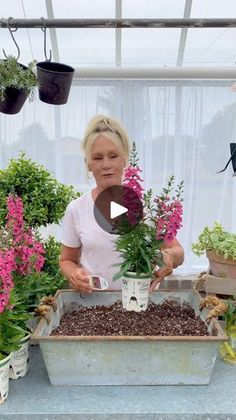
(220, 266)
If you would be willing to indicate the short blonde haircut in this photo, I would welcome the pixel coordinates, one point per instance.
(110, 128)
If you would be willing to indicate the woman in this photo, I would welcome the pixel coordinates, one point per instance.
(86, 247)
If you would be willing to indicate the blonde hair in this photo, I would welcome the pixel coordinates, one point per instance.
(110, 128)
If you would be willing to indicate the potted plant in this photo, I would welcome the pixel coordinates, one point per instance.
(142, 238)
(13, 330)
(17, 82)
(21, 256)
(44, 198)
(228, 350)
(20, 338)
(220, 248)
(13, 318)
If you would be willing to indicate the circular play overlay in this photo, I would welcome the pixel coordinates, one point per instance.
(118, 207)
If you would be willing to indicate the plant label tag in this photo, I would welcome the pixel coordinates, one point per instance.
(97, 282)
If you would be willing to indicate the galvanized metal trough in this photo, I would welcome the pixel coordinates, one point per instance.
(125, 360)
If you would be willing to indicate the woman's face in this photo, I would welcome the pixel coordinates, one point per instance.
(106, 163)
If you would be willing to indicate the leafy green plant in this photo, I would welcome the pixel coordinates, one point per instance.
(15, 75)
(230, 315)
(33, 287)
(228, 349)
(13, 325)
(52, 252)
(140, 250)
(44, 198)
(145, 229)
(216, 239)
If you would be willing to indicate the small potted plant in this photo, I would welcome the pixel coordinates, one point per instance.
(20, 256)
(228, 350)
(17, 82)
(141, 238)
(13, 319)
(220, 248)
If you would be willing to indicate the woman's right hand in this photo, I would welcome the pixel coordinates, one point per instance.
(79, 280)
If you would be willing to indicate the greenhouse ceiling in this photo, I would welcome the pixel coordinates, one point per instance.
(131, 47)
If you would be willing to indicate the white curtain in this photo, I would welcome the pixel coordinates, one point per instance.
(180, 127)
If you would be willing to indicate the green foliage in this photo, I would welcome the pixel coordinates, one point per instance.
(53, 249)
(13, 325)
(33, 287)
(230, 314)
(134, 160)
(44, 198)
(12, 74)
(140, 250)
(51, 266)
(30, 289)
(218, 240)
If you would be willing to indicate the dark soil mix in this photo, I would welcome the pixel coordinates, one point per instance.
(169, 318)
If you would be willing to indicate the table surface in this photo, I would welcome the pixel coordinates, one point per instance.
(33, 397)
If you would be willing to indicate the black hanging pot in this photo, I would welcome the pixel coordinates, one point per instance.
(54, 82)
(14, 100)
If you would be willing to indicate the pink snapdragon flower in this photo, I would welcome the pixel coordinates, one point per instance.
(7, 266)
(20, 252)
(133, 180)
(133, 200)
(168, 219)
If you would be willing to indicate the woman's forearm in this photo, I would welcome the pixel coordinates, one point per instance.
(177, 254)
(68, 268)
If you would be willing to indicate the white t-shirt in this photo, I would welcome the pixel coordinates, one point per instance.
(80, 229)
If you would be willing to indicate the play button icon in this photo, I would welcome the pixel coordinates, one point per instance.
(116, 205)
(116, 210)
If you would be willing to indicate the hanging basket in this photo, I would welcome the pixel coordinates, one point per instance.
(54, 82)
(15, 97)
(14, 100)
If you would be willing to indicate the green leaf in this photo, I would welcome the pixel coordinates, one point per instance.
(122, 271)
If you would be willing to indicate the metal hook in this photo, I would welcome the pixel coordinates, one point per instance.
(44, 29)
(11, 33)
(233, 151)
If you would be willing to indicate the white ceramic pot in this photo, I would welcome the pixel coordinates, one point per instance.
(20, 360)
(135, 291)
(4, 378)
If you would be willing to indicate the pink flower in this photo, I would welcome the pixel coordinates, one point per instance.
(20, 252)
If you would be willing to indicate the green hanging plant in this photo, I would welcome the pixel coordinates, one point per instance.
(15, 75)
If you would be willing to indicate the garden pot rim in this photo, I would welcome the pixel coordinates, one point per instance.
(45, 66)
(212, 255)
(39, 338)
(134, 275)
(25, 338)
(6, 359)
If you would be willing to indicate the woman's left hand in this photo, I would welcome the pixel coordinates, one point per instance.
(164, 271)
